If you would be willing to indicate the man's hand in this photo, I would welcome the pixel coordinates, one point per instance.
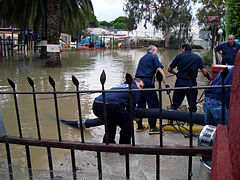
(168, 91)
(137, 119)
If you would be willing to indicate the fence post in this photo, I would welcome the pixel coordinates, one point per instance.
(4, 44)
(1, 48)
(103, 80)
(12, 45)
(190, 76)
(52, 82)
(129, 80)
(76, 83)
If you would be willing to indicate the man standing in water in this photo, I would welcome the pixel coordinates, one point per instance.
(228, 50)
(118, 111)
(147, 67)
(186, 61)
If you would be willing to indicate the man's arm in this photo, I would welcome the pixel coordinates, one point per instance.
(218, 49)
(205, 73)
(170, 70)
(164, 77)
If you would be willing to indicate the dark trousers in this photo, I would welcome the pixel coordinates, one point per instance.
(116, 116)
(179, 95)
(151, 98)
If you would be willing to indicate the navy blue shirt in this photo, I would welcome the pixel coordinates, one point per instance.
(186, 61)
(148, 66)
(121, 98)
(228, 52)
(217, 92)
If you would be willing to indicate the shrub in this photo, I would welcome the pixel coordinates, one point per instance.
(208, 58)
(196, 46)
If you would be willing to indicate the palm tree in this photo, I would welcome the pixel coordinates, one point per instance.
(53, 33)
(72, 11)
(36, 14)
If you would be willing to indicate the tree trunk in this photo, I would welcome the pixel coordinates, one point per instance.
(43, 54)
(167, 39)
(53, 33)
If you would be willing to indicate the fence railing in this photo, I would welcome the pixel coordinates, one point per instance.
(133, 148)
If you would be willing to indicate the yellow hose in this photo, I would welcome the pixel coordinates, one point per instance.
(174, 127)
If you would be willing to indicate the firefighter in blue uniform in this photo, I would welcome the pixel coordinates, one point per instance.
(213, 100)
(147, 67)
(184, 62)
(228, 51)
(118, 111)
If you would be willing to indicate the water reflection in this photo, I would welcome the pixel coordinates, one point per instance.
(87, 67)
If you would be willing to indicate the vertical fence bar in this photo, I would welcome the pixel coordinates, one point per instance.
(10, 171)
(129, 80)
(224, 73)
(50, 163)
(159, 79)
(4, 45)
(157, 167)
(29, 162)
(52, 82)
(8, 46)
(30, 81)
(12, 44)
(190, 75)
(76, 83)
(16, 107)
(103, 80)
(74, 169)
(99, 165)
(127, 167)
(1, 53)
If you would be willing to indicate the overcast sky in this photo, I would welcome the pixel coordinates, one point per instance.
(108, 10)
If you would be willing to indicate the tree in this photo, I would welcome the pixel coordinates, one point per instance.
(71, 15)
(120, 25)
(233, 21)
(131, 22)
(93, 22)
(104, 23)
(53, 33)
(210, 8)
(163, 14)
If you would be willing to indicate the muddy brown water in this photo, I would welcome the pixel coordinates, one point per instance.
(87, 67)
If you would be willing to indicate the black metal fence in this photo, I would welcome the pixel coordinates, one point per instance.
(158, 149)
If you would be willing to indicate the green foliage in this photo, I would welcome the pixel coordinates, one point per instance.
(131, 22)
(233, 14)
(104, 24)
(167, 15)
(160, 43)
(208, 58)
(194, 46)
(210, 8)
(119, 23)
(115, 42)
(93, 22)
(29, 14)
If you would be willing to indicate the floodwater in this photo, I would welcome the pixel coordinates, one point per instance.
(87, 67)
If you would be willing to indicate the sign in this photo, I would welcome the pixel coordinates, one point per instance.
(213, 19)
(43, 43)
(53, 48)
(204, 34)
